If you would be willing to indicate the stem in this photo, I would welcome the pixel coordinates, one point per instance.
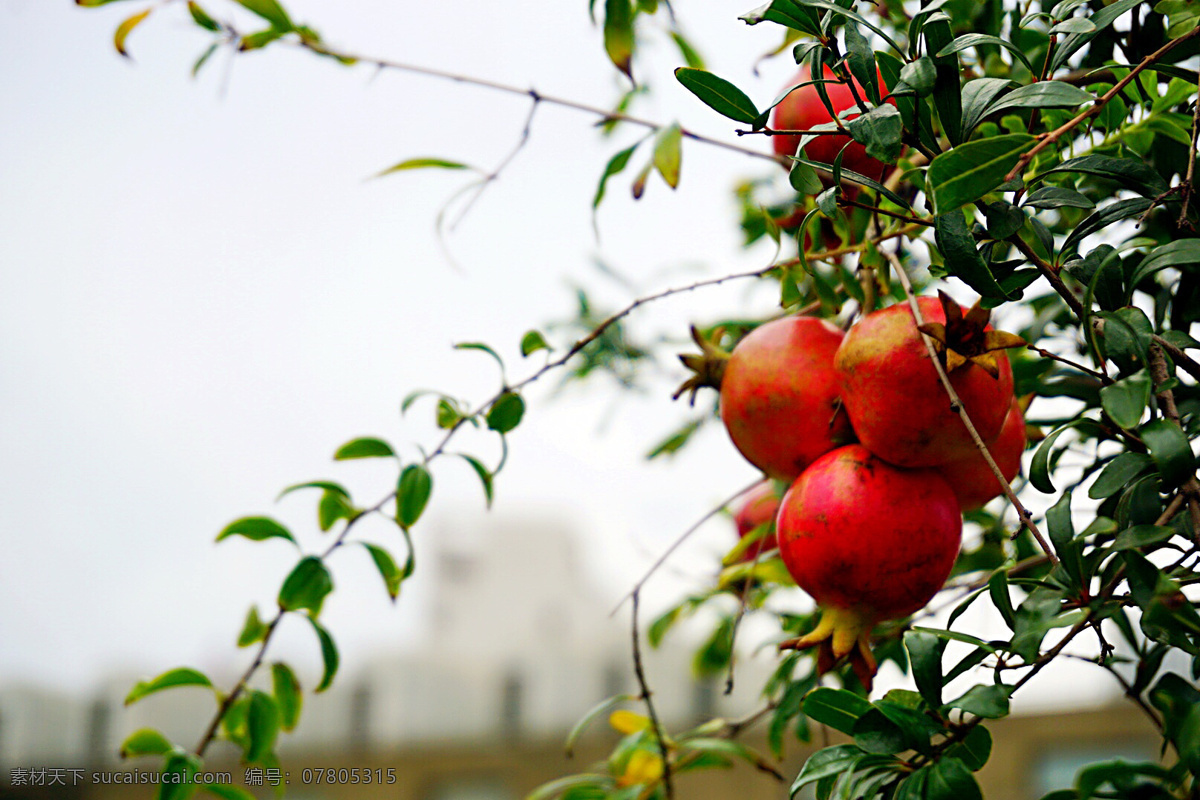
(1051, 274)
(640, 672)
(957, 404)
(1166, 403)
(538, 97)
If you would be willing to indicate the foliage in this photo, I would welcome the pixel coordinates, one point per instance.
(1041, 154)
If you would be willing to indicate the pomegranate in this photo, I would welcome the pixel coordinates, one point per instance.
(760, 506)
(779, 395)
(802, 109)
(973, 480)
(896, 402)
(870, 542)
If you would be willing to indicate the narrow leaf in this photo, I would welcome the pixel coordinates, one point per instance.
(971, 170)
(183, 676)
(256, 529)
(125, 28)
(422, 163)
(718, 94)
(667, 154)
(366, 447)
(329, 656)
(391, 574)
(288, 696)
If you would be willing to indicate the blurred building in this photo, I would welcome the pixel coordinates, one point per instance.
(523, 646)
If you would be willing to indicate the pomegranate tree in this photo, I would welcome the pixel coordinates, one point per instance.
(892, 392)
(870, 542)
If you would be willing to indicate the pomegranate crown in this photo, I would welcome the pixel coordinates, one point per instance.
(964, 339)
(707, 366)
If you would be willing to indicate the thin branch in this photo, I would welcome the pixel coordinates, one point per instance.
(1180, 358)
(1051, 274)
(1055, 357)
(1166, 404)
(957, 404)
(637, 587)
(1190, 180)
(491, 177)
(605, 114)
(1050, 138)
(640, 672)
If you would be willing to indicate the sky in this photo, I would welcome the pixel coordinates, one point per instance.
(204, 294)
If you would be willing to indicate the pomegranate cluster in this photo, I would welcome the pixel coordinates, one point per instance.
(879, 465)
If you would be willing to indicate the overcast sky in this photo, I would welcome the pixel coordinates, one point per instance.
(203, 296)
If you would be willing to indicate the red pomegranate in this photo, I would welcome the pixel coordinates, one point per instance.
(779, 395)
(973, 480)
(758, 509)
(802, 110)
(896, 402)
(869, 542)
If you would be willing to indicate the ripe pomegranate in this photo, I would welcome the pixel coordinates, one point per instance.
(802, 109)
(869, 542)
(973, 480)
(896, 402)
(759, 508)
(779, 395)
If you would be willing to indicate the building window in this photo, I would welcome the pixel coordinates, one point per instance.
(510, 705)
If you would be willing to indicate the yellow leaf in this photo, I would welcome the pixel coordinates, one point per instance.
(643, 768)
(125, 28)
(628, 722)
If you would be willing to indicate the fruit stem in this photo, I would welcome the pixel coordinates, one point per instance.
(956, 403)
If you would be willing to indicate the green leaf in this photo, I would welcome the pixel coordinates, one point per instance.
(145, 742)
(1102, 218)
(1039, 467)
(788, 13)
(874, 732)
(329, 656)
(288, 697)
(256, 529)
(673, 443)
(718, 94)
(485, 476)
(126, 27)
(1062, 536)
(200, 62)
(1119, 473)
(253, 629)
(1057, 197)
(977, 95)
(324, 486)
(94, 3)
(827, 762)
(690, 56)
(1180, 254)
(949, 779)
(533, 341)
(1140, 536)
(969, 171)
(182, 676)
(1125, 401)
(837, 708)
(365, 447)
(925, 658)
(178, 775)
(1043, 94)
(917, 77)
(880, 129)
(1134, 175)
(1001, 599)
(412, 494)
(804, 179)
(618, 34)
(1003, 219)
(262, 725)
(201, 17)
(974, 750)
(306, 586)
(1171, 451)
(985, 700)
(422, 163)
(962, 260)
(1069, 45)
(595, 711)
(668, 153)
(269, 10)
(615, 165)
(392, 576)
(979, 40)
(505, 414)
(331, 508)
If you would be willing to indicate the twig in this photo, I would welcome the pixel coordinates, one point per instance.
(1055, 357)
(1166, 403)
(1180, 358)
(640, 672)
(1190, 180)
(1050, 138)
(637, 587)
(494, 174)
(957, 404)
(1051, 274)
(382, 63)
